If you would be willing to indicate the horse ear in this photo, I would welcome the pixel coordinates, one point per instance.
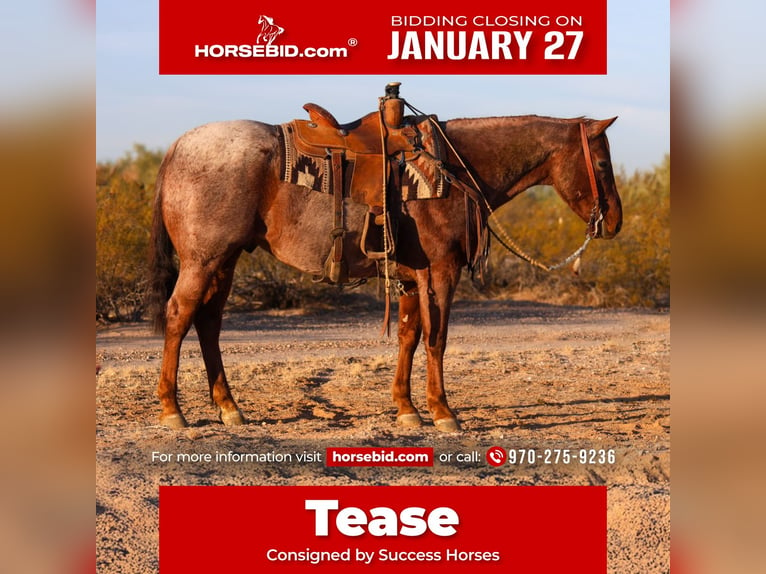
(597, 127)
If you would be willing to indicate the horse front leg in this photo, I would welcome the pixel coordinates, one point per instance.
(436, 287)
(409, 332)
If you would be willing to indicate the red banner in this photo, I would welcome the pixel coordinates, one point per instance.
(245, 37)
(445, 529)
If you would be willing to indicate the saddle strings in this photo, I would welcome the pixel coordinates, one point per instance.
(387, 278)
(505, 240)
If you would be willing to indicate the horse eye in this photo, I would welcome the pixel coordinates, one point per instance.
(603, 164)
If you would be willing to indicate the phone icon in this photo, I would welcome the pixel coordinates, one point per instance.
(496, 456)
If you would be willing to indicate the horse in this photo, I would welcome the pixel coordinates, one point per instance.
(219, 193)
(269, 30)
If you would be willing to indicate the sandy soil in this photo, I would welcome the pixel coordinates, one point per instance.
(519, 375)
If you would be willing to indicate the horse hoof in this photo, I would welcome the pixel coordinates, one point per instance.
(409, 420)
(447, 425)
(232, 418)
(174, 421)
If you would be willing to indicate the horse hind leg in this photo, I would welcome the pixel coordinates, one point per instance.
(409, 332)
(181, 307)
(207, 322)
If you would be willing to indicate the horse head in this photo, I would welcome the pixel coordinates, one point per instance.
(584, 178)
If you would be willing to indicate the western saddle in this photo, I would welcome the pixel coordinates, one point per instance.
(360, 159)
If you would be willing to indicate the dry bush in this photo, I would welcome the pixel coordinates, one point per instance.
(124, 192)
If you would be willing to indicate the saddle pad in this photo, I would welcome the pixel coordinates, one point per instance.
(422, 177)
(311, 171)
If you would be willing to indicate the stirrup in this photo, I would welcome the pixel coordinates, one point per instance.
(376, 250)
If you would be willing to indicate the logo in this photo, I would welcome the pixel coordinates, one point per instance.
(269, 30)
(496, 456)
(266, 45)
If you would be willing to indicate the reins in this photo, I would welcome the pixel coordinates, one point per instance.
(475, 193)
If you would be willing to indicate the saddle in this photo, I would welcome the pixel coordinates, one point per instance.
(360, 161)
(363, 136)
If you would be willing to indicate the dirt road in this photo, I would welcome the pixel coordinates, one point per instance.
(519, 375)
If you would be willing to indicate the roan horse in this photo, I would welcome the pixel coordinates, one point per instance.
(219, 192)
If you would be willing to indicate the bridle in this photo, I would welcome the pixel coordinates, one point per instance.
(596, 215)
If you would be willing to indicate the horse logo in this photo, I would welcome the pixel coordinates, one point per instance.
(269, 30)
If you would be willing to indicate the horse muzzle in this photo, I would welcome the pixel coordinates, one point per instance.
(600, 228)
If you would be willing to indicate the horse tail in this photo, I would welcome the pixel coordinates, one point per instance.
(163, 272)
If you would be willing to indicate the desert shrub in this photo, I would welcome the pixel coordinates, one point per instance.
(124, 192)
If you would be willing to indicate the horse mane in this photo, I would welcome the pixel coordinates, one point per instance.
(493, 121)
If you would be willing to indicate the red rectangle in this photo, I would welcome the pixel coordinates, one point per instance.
(245, 37)
(444, 529)
(379, 456)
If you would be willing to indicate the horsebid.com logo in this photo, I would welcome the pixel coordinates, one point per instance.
(269, 30)
(264, 46)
